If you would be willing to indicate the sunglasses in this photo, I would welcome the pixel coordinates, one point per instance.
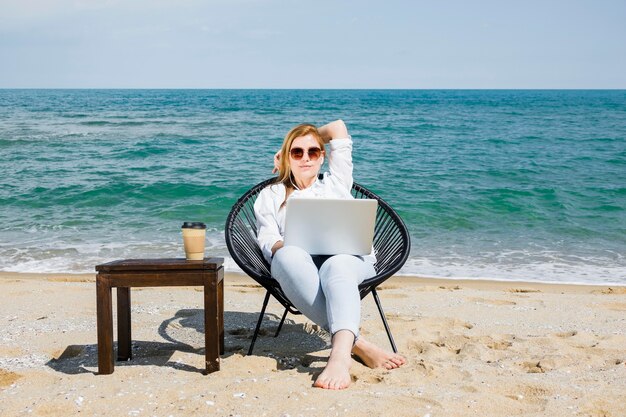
(298, 153)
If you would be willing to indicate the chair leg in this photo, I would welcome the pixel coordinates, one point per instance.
(280, 326)
(382, 316)
(258, 324)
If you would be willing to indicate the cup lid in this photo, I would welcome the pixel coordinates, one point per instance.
(194, 225)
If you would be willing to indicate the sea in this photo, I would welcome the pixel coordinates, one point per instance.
(510, 185)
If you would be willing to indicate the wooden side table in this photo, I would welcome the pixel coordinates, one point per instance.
(128, 273)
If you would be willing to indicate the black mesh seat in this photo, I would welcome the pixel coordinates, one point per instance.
(391, 242)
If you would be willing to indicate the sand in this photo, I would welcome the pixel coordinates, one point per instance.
(473, 348)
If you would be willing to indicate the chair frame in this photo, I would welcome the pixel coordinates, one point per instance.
(392, 244)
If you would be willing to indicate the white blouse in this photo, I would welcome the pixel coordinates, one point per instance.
(337, 183)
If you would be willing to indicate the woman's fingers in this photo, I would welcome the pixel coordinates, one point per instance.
(276, 162)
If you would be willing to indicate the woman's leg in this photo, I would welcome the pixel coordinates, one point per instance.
(299, 278)
(340, 277)
(297, 274)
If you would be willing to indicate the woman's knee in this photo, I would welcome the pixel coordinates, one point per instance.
(291, 263)
(340, 266)
(291, 254)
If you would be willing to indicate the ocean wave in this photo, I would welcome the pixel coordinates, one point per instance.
(110, 123)
(140, 152)
(14, 143)
(547, 266)
(590, 272)
(74, 115)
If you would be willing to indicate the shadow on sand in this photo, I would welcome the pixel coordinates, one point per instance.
(185, 333)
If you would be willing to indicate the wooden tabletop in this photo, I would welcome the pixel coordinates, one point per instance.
(160, 264)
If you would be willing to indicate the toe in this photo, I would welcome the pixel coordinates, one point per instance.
(330, 384)
(398, 361)
(321, 383)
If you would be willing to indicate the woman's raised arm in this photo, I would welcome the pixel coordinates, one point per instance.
(333, 130)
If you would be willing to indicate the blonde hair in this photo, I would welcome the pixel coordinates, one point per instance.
(284, 170)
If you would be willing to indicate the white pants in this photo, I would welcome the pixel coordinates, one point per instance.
(323, 288)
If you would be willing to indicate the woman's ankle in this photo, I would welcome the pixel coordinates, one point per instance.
(359, 346)
(343, 342)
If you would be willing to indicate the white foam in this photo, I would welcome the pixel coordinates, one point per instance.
(554, 272)
(75, 254)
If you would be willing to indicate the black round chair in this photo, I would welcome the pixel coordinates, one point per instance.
(391, 243)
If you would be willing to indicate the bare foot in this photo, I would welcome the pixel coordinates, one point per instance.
(375, 357)
(336, 375)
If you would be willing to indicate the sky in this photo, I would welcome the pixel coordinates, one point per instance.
(312, 44)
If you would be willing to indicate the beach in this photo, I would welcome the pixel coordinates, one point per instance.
(492, 137)
(484, 348)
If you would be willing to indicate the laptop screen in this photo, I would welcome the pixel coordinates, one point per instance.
(331, 226)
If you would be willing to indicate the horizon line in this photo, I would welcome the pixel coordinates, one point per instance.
(325, 88)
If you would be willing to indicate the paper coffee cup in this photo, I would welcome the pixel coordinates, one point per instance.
(194, 234)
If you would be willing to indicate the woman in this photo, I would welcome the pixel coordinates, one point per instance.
(323, 288)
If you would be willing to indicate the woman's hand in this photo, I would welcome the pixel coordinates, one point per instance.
(277, 246)
(276, 163)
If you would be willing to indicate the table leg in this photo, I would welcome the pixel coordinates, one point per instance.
(211, 324)
(105, 325)
(220, 309)
(124, 351)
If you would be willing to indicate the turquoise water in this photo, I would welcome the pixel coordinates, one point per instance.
(492, 184)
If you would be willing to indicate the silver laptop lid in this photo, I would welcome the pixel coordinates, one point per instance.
(331, 226)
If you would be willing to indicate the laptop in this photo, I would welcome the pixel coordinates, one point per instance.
(331, 226)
